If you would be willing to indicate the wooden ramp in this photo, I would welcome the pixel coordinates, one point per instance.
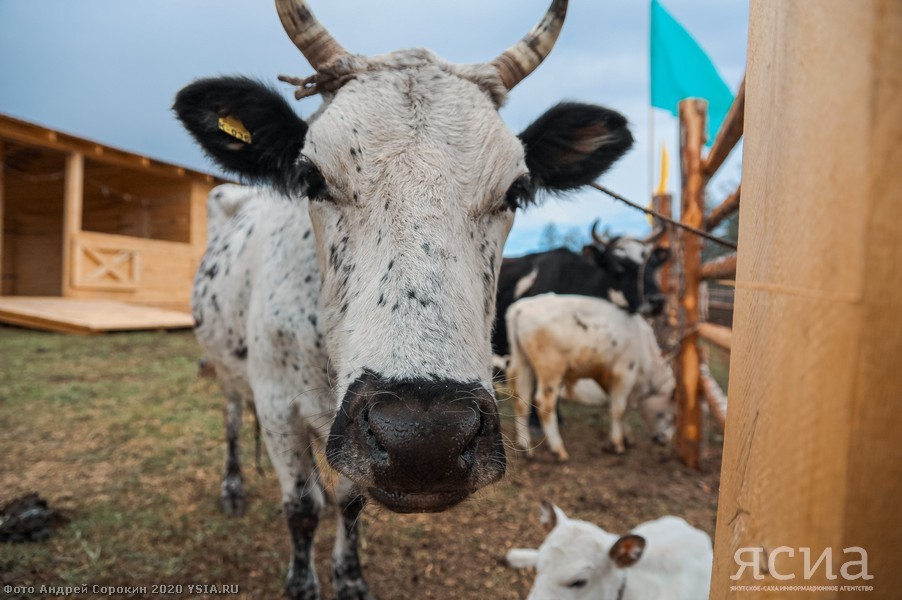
(72, 315)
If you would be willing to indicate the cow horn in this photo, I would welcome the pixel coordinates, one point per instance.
(308, 34)
(521, 59)
(598, 239)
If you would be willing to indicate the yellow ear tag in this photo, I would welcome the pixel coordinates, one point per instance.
(235, 128)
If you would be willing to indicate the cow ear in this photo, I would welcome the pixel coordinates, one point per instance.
(246, 127)
(550, 515)
(627, 550)
(572, 144)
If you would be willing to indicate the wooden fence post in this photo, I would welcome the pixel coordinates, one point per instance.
(689, 414)
(812, 458)
(73, 200)
(2, 222)
(662, 204)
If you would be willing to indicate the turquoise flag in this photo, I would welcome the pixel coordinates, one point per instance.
(681, 69)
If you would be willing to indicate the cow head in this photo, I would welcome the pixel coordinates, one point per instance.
(413, 181)
(658, 407)
(633, 265)
(577, 559)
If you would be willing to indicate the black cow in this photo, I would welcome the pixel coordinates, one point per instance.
(622, 270)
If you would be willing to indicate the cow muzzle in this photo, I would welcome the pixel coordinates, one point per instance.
(418, 445)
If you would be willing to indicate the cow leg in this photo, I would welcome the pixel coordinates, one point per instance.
(521, 411)
(522, 384)
(618, 396)
(347, 576)
(289, 446)
(302, 511)
(546, 399)
(231, 496)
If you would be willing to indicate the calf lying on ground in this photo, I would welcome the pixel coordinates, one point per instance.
(556, 340)
(664, 558)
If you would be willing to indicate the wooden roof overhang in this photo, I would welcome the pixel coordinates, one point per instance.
(17, 130)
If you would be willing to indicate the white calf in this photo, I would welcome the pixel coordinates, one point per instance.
(664, 558)
(556, 340)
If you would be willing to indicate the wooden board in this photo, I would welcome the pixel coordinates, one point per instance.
(161, 273)
(811, 452)
(71, 315)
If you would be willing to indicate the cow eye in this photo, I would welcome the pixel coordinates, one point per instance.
(521, 194)
(312, 180)
(577, 584)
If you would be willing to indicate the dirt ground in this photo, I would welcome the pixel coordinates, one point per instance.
(120, 433)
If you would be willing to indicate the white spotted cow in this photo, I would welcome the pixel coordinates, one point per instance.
(664, 558)
(355, 306)
(557, 340)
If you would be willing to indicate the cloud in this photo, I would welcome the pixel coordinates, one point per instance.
(109, 70)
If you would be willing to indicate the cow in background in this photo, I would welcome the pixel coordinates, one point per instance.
(664, 558)
(556, 340)
(623, 270)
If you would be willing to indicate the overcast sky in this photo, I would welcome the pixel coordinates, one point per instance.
(109, 69)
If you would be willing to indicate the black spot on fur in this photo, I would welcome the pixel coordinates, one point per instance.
(581, 323)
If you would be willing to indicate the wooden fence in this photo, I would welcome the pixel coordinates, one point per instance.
(682, 281)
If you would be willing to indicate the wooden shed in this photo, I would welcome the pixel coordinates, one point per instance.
(84, 221)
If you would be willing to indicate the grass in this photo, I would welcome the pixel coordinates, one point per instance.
(120, 433)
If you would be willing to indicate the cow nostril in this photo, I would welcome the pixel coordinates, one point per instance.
(379, 453)
(467, 457)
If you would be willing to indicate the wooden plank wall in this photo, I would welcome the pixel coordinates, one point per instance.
(127, 202)
(811, 457)
(3, 270)
(33, 235)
